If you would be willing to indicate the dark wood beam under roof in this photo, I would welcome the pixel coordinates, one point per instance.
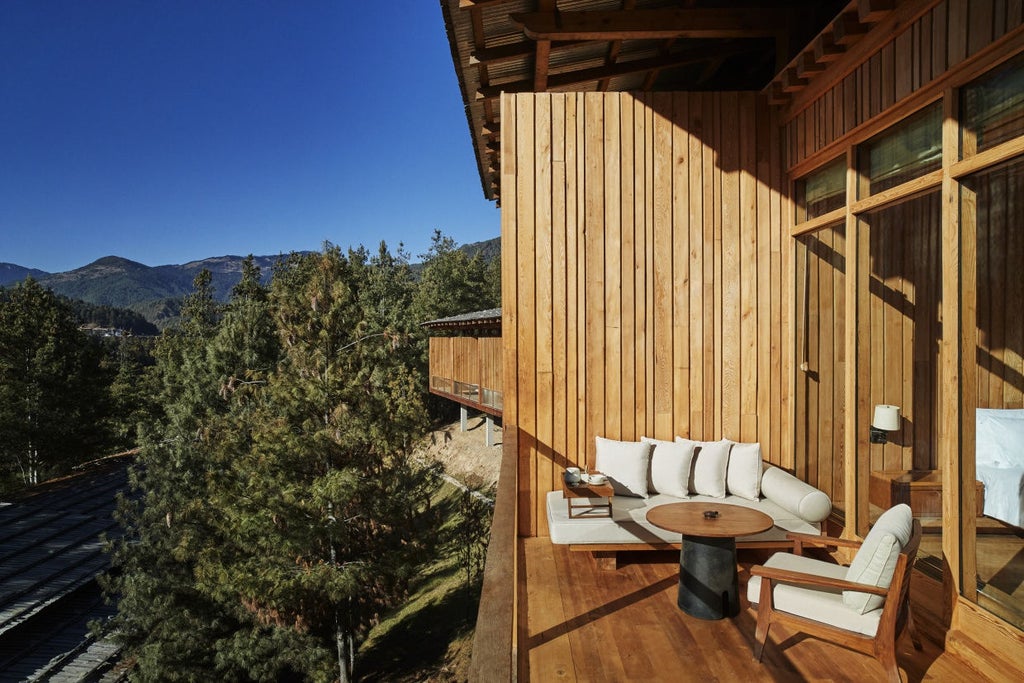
(640, 45)
(581, 76)
(652, 24)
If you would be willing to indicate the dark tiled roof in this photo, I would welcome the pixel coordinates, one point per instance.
(485, 318)
(51, 552)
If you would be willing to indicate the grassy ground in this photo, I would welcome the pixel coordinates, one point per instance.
(429, 638)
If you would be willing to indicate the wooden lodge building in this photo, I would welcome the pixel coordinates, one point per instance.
(755, 221)
(465, 364)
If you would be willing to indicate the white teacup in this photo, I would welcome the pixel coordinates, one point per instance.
(572, 475)
(597, 479)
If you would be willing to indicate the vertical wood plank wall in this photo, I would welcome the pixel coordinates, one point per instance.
(921, 52)
(644, 274)
(470, 360)
(821, 357)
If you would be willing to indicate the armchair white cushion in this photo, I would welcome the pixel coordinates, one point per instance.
(819, 604)
(875, 561)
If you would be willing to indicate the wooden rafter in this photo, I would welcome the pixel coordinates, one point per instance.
(614, 47)
(651, 24)
(571, 78)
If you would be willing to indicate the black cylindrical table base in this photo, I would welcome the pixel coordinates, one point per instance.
(708, 582)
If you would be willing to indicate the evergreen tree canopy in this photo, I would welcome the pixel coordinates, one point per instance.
(280, 512)
(53, 388)
(452, 282)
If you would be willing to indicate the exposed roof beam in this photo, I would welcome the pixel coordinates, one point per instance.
(847, 29)
(826, 49)
(571, 78)
(873, 11)
(472, 4)
(540, 65)
(513, 51)
(652, 24)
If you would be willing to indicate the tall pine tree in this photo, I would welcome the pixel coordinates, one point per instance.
(53, 388)
(280, 512)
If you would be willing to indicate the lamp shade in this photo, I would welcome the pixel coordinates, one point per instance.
(886, 417)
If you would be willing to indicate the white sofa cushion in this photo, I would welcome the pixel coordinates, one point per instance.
(625, 464)
(819, 604)
(743, 476)
(628, 523)
(875, 561)
(710, 460)
(799, 497)
(670, 467)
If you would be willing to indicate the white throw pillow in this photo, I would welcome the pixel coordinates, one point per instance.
(710, 460)
(743, 477)
(875, 562)
(625, 464)
(669, 472)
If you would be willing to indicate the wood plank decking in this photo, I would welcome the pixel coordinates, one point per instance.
(581, 623)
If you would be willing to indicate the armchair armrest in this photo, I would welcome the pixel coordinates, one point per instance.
(800, 540)
(789, 576)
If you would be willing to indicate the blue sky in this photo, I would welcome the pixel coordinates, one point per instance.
(166, 131)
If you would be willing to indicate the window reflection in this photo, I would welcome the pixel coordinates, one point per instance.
(997, 198)
(906, 151)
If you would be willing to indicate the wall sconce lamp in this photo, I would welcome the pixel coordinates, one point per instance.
(886, 419)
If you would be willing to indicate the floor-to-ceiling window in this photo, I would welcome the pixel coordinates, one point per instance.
(870, 230)
(992, 225)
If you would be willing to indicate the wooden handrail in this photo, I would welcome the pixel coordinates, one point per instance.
(494, 651)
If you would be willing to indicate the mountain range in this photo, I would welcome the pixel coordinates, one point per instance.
(156, 292)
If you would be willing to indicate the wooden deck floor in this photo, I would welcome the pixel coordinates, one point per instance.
(581, 623)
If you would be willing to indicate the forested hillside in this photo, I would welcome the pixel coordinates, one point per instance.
(277, 511)
(156, 292)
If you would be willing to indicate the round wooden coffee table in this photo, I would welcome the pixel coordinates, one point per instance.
(708, 581)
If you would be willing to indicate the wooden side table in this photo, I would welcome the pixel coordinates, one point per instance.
(584, 490)
(708, 581)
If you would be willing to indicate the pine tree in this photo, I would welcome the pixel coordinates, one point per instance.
(280, 510)
(53, 389)
(453, 282)
(322, 509)
(165, 624)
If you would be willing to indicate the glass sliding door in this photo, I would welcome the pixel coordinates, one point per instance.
(992, 204)
(898, 338)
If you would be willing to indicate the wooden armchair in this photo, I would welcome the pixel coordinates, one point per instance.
(805, 594)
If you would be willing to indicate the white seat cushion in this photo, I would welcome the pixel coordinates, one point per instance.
(625, 464)
(820, 604)
(670, 467)
(628, 523)
(875, 561)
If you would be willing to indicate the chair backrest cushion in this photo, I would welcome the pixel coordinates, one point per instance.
(875, 562)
